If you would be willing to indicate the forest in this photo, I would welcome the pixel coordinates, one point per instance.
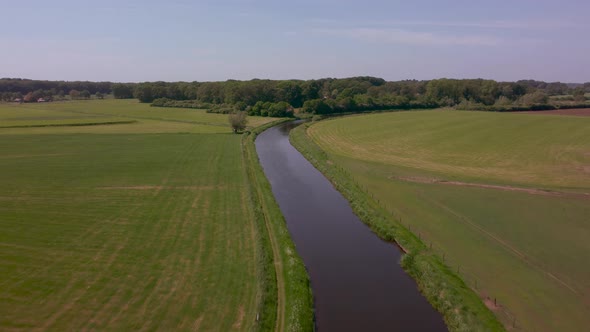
(322, 96)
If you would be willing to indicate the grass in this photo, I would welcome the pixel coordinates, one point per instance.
(526, 248)
(107, 110)
(496, 147)
(30, 115)
(140, 226)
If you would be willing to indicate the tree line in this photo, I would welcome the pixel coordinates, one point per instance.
(322, 96)
(18, 88)
(328, 96)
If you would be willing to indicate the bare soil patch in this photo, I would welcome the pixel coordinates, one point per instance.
(571, 112)
(241, 315)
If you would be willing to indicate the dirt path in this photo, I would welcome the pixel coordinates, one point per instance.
(278, 265)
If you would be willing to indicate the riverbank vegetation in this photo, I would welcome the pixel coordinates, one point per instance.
(146, 221)
(497, 200)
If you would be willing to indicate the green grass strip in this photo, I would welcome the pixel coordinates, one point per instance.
(460, 306)
(80, 124)
(287, 301)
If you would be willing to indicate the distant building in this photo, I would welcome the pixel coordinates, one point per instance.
(41, 100)
(18, 100)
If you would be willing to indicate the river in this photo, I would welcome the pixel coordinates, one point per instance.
(356, 279)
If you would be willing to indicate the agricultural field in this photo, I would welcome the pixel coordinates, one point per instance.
(505, 198)
(152, 119)
(120, 216)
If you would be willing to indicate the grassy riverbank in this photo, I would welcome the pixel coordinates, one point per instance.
(461, 307)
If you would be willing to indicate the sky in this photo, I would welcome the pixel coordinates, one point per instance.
(181, 40)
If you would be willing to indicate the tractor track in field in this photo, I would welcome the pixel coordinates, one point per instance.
(509, 247)
(533, 191)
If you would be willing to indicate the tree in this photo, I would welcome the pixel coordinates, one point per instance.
(38, 94)
(240, 106)
(28, 97)
(238, 121)
(99, 95)
(317, 106)
(122, 91)
(579, 95)
(85, 94)
(535, 98)
(280, 109)
(74, 94)
(145, 92)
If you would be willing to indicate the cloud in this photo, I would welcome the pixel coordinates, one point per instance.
(541, 24)
(499, 24)
(401, 36)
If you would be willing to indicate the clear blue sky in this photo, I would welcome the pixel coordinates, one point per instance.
(244, 39)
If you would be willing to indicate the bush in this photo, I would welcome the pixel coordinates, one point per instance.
(537, 97)
(166, 102)
(280, 110)
(238, 121)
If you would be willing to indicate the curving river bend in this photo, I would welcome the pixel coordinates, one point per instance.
(357, 282)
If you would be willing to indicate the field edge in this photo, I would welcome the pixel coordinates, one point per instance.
(461, 307)
(287, 300)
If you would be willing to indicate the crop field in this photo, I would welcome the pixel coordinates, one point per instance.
(140, 225)
(505, 198)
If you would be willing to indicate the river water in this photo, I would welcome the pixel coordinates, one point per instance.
(356, 279)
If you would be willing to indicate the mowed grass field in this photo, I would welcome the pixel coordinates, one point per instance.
(505, 198)
(136, 226)
(152, 119)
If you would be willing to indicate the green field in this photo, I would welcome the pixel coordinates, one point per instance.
(152, 119)
(146, 225)
(502, 196)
